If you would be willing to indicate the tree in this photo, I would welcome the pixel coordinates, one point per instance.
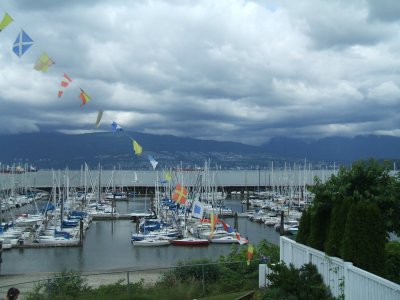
(393, 261)
(304, 228)
(334, 240)
(365, 238)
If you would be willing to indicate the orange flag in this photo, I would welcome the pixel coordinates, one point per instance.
(180, 194)
(84, 97)
(250, 251)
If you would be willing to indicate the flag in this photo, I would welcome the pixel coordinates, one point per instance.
(84, 97)
(64, 83)
(115, 127)
(22, 43)
(197, 210)
(43, 63)
(168, 176)
(250, 251)
(213, 220)
(99, 116)
(137, 148)
(227, 227)
(240, 239)
(6, 20)
(153, 162)
(180, 194)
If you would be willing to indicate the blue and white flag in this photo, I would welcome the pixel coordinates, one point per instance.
(197, 210)
(153, 162)
(116, 127)
(22, 43)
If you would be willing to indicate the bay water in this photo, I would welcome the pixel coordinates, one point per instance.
(107, 246)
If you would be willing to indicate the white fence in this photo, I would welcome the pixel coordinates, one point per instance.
(342, 277)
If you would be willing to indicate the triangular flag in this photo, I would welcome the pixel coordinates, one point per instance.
(84, 97)
(250, 251)
(22, 43)
(6, 20)
(180, 194)
(115, 127)
(153, 162)
(137, 148)
(64, 83)
(99, 116)
(43, 63)
(168, 176)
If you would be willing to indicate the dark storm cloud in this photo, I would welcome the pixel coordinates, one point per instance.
(227, 70)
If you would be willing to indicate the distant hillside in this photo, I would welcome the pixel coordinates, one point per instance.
(56, 150)
(339, 149)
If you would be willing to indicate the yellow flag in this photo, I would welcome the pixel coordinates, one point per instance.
(43, 63)
(6, 20)
(168, 176)
(137, 148)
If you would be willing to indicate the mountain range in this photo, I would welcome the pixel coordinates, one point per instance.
(57, 150)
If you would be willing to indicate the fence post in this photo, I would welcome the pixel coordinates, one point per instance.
(127, 285)
(346, 279)
(262, 270)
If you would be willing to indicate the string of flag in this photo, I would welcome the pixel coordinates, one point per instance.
(24, 42)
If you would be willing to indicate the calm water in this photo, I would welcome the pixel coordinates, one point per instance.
(107, 246)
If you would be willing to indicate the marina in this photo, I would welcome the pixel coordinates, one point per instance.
(107, 246)
(112, 222)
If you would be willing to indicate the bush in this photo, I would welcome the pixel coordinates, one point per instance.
(291, 283)
(64, 286)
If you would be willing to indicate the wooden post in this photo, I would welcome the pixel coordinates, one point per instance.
(282, 229)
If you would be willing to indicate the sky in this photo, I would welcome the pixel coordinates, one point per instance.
(226, 70)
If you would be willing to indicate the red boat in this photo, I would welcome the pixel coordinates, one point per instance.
(190, 242)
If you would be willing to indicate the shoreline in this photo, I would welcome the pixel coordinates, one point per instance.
(26, 282)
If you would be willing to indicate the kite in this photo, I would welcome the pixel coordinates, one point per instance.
(116, 127)
(22, 43)
(137, 148)
(153, 162)
(43, 63)
(64, 83)
(99, 116)
(6, 20)
(180, 194)
(84, 97)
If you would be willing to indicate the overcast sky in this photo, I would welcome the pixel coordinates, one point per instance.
(225, 70)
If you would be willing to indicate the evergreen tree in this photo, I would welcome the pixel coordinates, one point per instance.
(304, 228)
(320, 218)
(364, 238)
(337, 225)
